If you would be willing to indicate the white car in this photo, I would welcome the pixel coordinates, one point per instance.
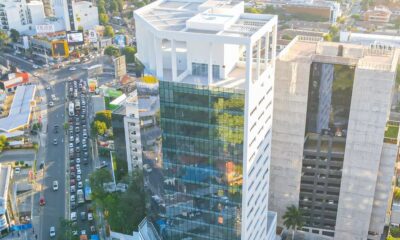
(73, 216)
(80, 185)
(17, 170)
(90, 216)
(55, 185)
(78, 160)
(35, 66)
(51, 104)
(78, 171)
(52, 231)
(71, 145)
(78, 166)
(48, 88)
(72, 68)
(78, 177)
(72, 199)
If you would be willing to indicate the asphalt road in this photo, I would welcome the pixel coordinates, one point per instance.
(17, 155)
(55, 158)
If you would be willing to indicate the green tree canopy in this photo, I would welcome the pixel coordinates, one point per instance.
(293, 218)
(112, 51)
(104, 116)
(97, 178)
(99, 127)
(14, 35)
(4, 39)
(109, 31)
(103, 18)
(3, 142)
(66, 230)
(129, 53)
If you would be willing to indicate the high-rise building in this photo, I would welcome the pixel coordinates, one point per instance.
(21, 15)
(334, 148)
(216, 66)
(76, 14)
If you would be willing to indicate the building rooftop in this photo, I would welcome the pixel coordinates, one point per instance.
(220, 18)
(364, 57)
(5, 172)
(20, 110)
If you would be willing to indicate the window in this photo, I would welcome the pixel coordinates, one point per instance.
(215, 71)
(199, 69)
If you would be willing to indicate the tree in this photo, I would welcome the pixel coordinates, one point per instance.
(4, 39)
(252, 10)
(293, 219)
(112, 51)
(104, 116)
(3, 142)
(109, 31)
(396, 193)
(129, 53)
(14, 35)
(114, 6)
(66, 230)
(97, 178)
(99, 127)
(103, 18)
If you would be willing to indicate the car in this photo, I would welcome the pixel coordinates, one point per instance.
(78, 166)
(55, 142)
(78, 160)
(48, 87)
(72, 68)
(51, 104)
(78, 177)
(35, 66)
(45, 65)
(80, 184)
(42, 201)
(90, 216)
(56, 128)
(77, 123)
(77, 130)
(78, 171)
(51, 63)
(72, 198)
(77, 141)
(73, 205)
(55, 185)
(84, 147)
(71, 145)
(71, 138)
(84, 141)
(85, 161)
(83, 232)
(72, 169)
(72, 189)
(72, 175)
(78, 149)
(83, 216)
(84, 135)
(52, 231)
(73, 216)
(85, 154)
(17, 170)
(92, 229)
(53, 97)
(75, 232)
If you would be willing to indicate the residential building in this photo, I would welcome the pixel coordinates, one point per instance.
(21, 15)
(126, 131)
(76, 14)
(216, 66)
(331, 155)
(370, 39)
(380, 14)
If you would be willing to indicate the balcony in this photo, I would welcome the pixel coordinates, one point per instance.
(391, 132)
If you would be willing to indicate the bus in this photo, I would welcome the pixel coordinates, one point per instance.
(71, 109)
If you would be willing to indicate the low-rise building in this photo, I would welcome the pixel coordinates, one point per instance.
(5, 175)
(380, 14)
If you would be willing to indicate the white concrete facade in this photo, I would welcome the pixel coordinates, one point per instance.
(215, 44)
(86, 15)
(368, 166)
(21, 15)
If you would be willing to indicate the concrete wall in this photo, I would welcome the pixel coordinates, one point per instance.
(368, 115)
(290, 110)
(383, 189)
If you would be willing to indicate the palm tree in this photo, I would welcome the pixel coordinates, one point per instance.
(293, 219)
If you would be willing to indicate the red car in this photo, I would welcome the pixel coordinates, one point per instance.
(72, 182)
(42, 201)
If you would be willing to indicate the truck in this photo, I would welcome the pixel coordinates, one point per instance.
(71, 109)
(79, 194)
(77, 105)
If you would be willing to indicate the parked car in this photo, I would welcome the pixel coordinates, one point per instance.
(52, 231)
(55, 185)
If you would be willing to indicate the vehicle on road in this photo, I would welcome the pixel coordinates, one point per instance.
(83, 216)
(90, 216)
(79, 194)
(42, 201)
(73, 216)
(55, 142)
(71, 109)
(52, 231)
(80, 185)
(78, 177)
(55, 185)
(88, 191)
(71, 138)
(35, 66)
(48, 88)
(55, 128)
(72, 68)
(17, 170)
(51, 104)
(72, 189)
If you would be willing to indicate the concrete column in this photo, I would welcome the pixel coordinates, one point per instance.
(159, 59)
(210, 68)
(258, 58)
(249, 62)
(173, 60)
(274, 38)
(266, 51)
